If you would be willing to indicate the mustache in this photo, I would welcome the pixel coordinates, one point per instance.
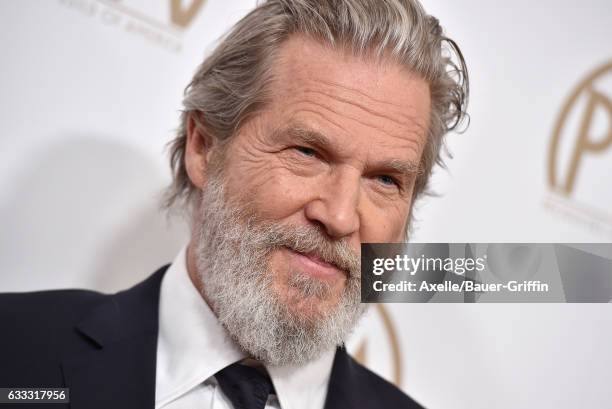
(314, 241)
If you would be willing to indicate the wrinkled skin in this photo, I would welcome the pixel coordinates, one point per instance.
(338, 147)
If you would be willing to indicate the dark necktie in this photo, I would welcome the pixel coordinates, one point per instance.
(245, 386)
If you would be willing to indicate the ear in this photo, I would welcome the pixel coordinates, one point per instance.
(198, 152)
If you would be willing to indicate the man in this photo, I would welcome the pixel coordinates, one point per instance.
(310, 129)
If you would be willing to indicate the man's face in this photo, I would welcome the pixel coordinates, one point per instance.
(338, 147)
(329, 163)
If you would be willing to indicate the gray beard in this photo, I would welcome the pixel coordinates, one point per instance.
(233, 251)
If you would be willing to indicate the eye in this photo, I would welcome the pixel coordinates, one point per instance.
(306, 151)
(387, 180)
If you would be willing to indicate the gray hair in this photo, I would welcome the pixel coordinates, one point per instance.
(232, 83)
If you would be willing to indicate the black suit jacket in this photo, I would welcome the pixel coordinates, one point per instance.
(103, 347)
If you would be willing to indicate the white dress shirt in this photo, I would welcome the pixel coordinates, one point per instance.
(192, 346)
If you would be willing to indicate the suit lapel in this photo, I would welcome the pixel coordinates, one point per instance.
(342, 390)
(113, 363)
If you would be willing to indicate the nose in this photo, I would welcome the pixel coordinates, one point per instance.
(335, 207)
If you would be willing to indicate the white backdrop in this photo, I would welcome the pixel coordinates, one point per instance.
(90, 94)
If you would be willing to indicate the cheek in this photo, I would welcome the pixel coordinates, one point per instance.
(383, 224)
(276, 194)
(260, 181)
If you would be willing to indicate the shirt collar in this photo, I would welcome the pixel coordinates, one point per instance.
(193, 346)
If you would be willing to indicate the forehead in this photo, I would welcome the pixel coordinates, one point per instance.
(373, 101)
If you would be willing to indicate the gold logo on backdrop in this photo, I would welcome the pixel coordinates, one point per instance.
(183, 16)
(577, 137)
(585, 144)
(161, 24)
(361, 351)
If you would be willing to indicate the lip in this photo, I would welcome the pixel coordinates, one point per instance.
(315, 266)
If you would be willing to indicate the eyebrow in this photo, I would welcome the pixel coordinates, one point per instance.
(302, 134)
(407, 168)
(299, 133)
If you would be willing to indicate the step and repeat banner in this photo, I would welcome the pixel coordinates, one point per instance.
(91, 93)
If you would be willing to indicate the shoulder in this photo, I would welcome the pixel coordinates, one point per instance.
(43, 318)
(20, 309)
(29, 318)
(53, 310)
(36, 327)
